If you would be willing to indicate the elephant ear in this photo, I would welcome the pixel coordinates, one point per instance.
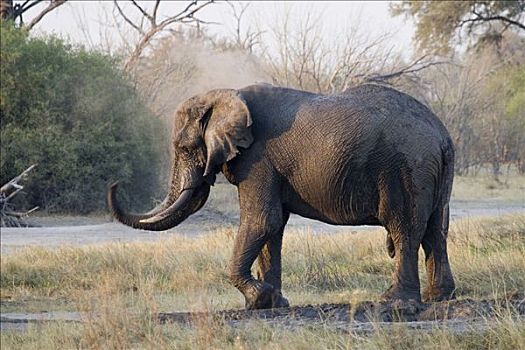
(227, 127)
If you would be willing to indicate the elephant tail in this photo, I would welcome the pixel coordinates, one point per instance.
(447, 172)
(442, 208)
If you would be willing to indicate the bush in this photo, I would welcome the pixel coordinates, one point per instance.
(76, 114)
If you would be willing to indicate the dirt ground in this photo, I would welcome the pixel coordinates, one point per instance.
(70, 230)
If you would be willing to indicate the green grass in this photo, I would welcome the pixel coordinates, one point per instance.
(128, 283)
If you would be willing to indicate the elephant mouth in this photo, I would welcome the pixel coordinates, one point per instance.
(180, 203)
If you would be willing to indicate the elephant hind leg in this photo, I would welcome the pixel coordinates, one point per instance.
(406, 239)
(404, 211)
(440, 284)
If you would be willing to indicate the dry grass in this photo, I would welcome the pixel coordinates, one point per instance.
(485, 191)
(126, 284)
(138, 333)
(223, 198)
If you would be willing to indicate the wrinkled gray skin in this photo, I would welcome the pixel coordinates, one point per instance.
(368, 156)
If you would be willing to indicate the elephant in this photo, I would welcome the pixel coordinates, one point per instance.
(370, 155)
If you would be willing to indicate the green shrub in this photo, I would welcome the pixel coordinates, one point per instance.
(76, 114)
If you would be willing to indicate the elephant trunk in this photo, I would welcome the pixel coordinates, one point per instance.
(193, 193)
(177, 206)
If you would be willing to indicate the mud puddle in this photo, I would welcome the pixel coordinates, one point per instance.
(385, 312)
(458, 315)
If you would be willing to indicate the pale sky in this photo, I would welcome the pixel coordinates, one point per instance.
(374, 18)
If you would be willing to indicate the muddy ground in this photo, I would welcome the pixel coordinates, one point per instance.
(458, 315)
(367, 315)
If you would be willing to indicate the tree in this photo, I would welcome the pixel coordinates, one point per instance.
(77, 115)
(249, 38)
(149, 26)
(481, 100)
(504, 120)
(305, 61)
(14, 11)
(442, 24)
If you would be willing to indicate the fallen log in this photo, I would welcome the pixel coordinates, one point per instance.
(9, 217)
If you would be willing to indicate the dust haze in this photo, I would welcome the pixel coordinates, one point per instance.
(182, 66)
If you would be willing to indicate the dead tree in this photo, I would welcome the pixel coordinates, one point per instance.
(149, 25)
(9, 217)
(14, 11)
(248, 39)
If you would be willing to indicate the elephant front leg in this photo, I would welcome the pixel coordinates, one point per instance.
(269, 266)
(260, 234)
(263, 240)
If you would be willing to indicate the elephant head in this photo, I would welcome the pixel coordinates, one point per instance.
(207, 131)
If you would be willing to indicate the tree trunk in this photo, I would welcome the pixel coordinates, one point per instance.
(7, 10)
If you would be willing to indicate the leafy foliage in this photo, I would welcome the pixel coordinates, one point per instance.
(480, 99)
(438, 23)
(75, 114)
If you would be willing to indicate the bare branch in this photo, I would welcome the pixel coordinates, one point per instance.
(23, 8)
(155, 10)
(127, 19)
(19, 214)
(187, 15)
(410, 68)
(26, 2)
(8, 216)
(249, 38)
(184, 14)
(186, 9)
(52, 5)
(307, 61)
(196, 20)
(481, 18)
(14, 182)
(144, 13)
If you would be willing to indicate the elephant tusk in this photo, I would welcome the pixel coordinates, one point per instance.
(179, 204)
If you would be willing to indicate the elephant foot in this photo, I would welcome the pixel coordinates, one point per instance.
(395, 293)
(263, 296)
(438, 294)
